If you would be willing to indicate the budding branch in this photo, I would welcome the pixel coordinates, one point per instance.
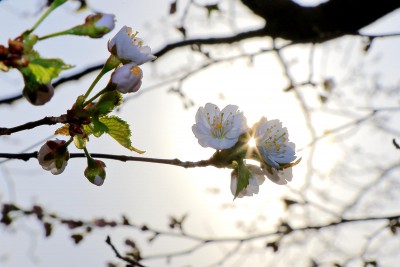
(175, 162)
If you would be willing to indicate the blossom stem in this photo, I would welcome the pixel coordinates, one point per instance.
(54, 35)
(90, 160)
(69, 142)
(96, 80)
(95, 96)
(86, 152)
(111, 63)
(52, 7)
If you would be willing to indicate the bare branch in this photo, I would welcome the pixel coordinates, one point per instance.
(175, 162)
(288, 20)
(119, 256)
(211, 41)
(33, 124)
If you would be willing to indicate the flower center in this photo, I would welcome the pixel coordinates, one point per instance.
(275, 141)
(135, 41)
(219, 126)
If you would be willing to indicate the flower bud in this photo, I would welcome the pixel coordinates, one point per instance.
(127, 78)
(95, 26)
(53, 156)
(95, 172)
(37, 93)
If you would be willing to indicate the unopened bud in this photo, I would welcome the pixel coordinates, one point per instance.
(95, 26)
(95, 172)
(38, 94)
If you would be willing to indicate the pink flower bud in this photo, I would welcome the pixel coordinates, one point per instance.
(101, 23)
(95, 26)
(127, 78)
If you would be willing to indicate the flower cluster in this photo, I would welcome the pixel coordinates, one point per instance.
(226, 130)
(90, 116)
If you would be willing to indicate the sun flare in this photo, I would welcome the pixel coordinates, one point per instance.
(252, 142)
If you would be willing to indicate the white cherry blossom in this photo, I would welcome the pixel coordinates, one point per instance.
(129, 48)
(272, 141)
(219, 129)
(280, 177)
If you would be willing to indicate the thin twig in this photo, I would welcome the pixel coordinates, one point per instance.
(175, 162)
(119, 256)
(33, 124)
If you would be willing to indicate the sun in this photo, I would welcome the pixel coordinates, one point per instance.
(252, 142)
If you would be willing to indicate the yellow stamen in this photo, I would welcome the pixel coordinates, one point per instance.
(136, 70)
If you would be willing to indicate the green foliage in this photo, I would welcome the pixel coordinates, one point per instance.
(243, 177)
(114, 126)
(98, 128)
(108, 102)
(46, 69)
(118, 129)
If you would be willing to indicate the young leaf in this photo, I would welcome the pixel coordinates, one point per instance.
(108, 102)
(243, 177)
(63, 130)
(119, 130)
(46, 69)
(98, 127)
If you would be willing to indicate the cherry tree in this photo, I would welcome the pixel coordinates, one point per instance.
(282, 115)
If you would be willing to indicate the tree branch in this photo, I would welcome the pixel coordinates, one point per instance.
(291, 21)
(175, 162)
(212, 41)
(119, 256)
(11, 212)
(33, 124)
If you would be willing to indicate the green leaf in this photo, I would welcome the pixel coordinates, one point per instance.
(46, 69)
(244, 177)
(108, 102)
(88, 128)
(98, 127)
(119, 130)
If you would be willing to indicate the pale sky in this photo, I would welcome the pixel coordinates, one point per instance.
(149, 193)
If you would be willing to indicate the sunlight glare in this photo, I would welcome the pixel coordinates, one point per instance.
(252, 142)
